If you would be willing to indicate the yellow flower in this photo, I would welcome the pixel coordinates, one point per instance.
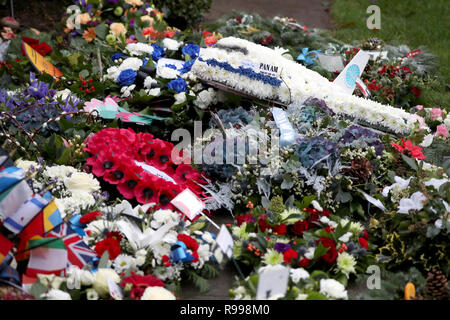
(117, 29)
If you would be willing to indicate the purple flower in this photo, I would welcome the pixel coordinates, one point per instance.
(282, 247)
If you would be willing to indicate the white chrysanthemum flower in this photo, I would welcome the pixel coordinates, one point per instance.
(124, 262)
(333, 289)
(298, 274)
(346, 263)
(171, 44)
(272, 257)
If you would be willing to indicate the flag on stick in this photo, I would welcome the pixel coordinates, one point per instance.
(48, 256)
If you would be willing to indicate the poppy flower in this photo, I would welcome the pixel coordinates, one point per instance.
(102, 163)
(121, 172)
(132, 176)
(167, 191)
(147, 189)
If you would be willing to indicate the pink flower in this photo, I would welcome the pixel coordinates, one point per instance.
(420, 120)
(436, 113)
(441, 130)
(419, 107)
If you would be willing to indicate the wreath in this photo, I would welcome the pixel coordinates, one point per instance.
(142, 167)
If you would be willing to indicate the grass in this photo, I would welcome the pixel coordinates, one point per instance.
(410, 22)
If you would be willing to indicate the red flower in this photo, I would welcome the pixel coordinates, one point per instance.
(239, 20)
(280, 229)
(89, 217)
(315, 214)
(331, 255)
(140, 283)
(304, 263)
(190, 242)
(147, 189)
(168, 34)
(365, 235)
(363, 243)
(247, 218)
(416, 91)
(267, 40)
(290, 254)
(373, 86)
(409, 149)
(299, 227)
(43, 48)
(115, 235)
(109, 244)
(209, 41)
(263, 225)
(102, 163)
(329, 229)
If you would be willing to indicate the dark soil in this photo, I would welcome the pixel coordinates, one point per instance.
(43, 15)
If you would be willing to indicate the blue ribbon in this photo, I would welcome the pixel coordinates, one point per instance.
(77, 226)
(178, 253)
(308, 56)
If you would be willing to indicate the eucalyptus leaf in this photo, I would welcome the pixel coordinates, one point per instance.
(103, 263)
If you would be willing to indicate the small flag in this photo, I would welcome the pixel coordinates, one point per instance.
(48, 256)
(42, 223)
(12, 198)
(9, 177)
(360, 84)
(27, 211)
(5, 246)
(78, 252)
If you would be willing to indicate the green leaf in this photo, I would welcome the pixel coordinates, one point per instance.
(101, 30)
(37, 289)
(64, 158)
(73, 59)
(103, 263)
(319, 274)
(320, 251)
(411, 162)
(432, 231)
(316, 296)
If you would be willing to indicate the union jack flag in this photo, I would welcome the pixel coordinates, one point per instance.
(78, 252)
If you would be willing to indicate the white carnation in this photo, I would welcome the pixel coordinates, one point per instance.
(333, 289)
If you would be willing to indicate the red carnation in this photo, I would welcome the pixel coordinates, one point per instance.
(140, 283)
(188, 241)
(331, 255)
(363, 243)
(304, 263)
(290, 254)
(89, 217)
(280, 229)
(109, 244)
(247, 218)
(267, 40)
(329, 229)
(299, 227)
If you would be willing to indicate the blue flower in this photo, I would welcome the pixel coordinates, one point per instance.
(191, 49)
(171, 66)
(158, 52)
(178, 85)
(117, 56)
(127, 77)
(187, 66)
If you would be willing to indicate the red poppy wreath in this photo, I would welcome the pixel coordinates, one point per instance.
(142, 166)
